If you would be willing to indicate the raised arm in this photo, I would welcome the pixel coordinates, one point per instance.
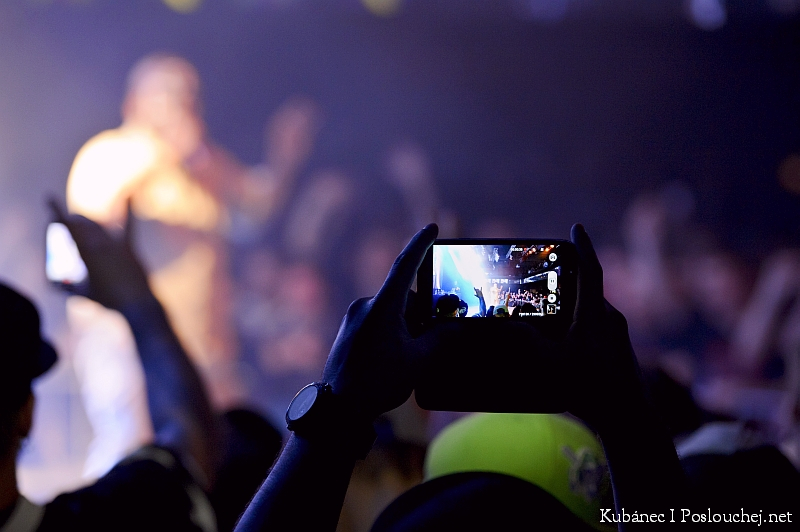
(179, 408)
(481, 301)
(610, 396)
(369, 370)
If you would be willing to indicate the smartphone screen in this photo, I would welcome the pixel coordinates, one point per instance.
(502, 307)
(525, 279)
(63, 263)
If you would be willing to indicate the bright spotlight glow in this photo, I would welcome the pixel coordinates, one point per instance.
(707, 14)
(183, 6)
(382, 8)
(457, 269)
(468, 261)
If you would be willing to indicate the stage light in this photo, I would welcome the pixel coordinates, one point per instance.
(467, 261)
(183, 6)
(707, 14)
(382, 8)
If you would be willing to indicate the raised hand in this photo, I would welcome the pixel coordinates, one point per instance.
(373, 360)
(606, 374)
(116, 277)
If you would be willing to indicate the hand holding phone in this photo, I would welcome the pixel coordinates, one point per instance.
(110, 272)
(501, 310)
(583, 363)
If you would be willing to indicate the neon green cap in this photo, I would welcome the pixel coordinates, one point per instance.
(553, 451)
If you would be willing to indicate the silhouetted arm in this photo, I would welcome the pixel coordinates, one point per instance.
(481, 301)
(370, 366)
(610, 396)
(179, 408)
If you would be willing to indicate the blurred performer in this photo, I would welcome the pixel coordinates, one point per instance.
(185, 188)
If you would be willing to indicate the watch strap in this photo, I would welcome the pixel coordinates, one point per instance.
(334, 420)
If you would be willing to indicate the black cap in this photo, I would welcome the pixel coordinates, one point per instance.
(477, 500)
(24, 354)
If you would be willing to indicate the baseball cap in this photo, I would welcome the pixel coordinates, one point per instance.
(25, 354)
(557, 453)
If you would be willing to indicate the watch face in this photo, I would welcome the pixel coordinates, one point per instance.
(302, 402)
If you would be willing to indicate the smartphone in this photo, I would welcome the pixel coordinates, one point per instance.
(505, 304)
(63, 262)
(534, 280)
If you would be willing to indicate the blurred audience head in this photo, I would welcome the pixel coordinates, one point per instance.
(290, 133)
(23, 357)
(477, 500)
(761, 478)
(447, 306)
(501, 311)
(251, 445)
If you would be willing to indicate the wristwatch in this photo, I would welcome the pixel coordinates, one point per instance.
(317, 414)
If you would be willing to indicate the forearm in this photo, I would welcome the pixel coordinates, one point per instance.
(179, 408)
(644, 466)
(367, 373)
(178, 405)
(305, 489)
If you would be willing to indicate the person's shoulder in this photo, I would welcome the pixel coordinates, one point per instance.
(149, 490)
(119, 138)
(107, 166)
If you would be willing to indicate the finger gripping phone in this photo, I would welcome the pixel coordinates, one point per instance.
(505, 307)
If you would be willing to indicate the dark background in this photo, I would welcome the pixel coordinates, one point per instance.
(540, 121)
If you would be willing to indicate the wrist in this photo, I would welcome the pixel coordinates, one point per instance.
(613, 411)
(317, 414)
(639, 420)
